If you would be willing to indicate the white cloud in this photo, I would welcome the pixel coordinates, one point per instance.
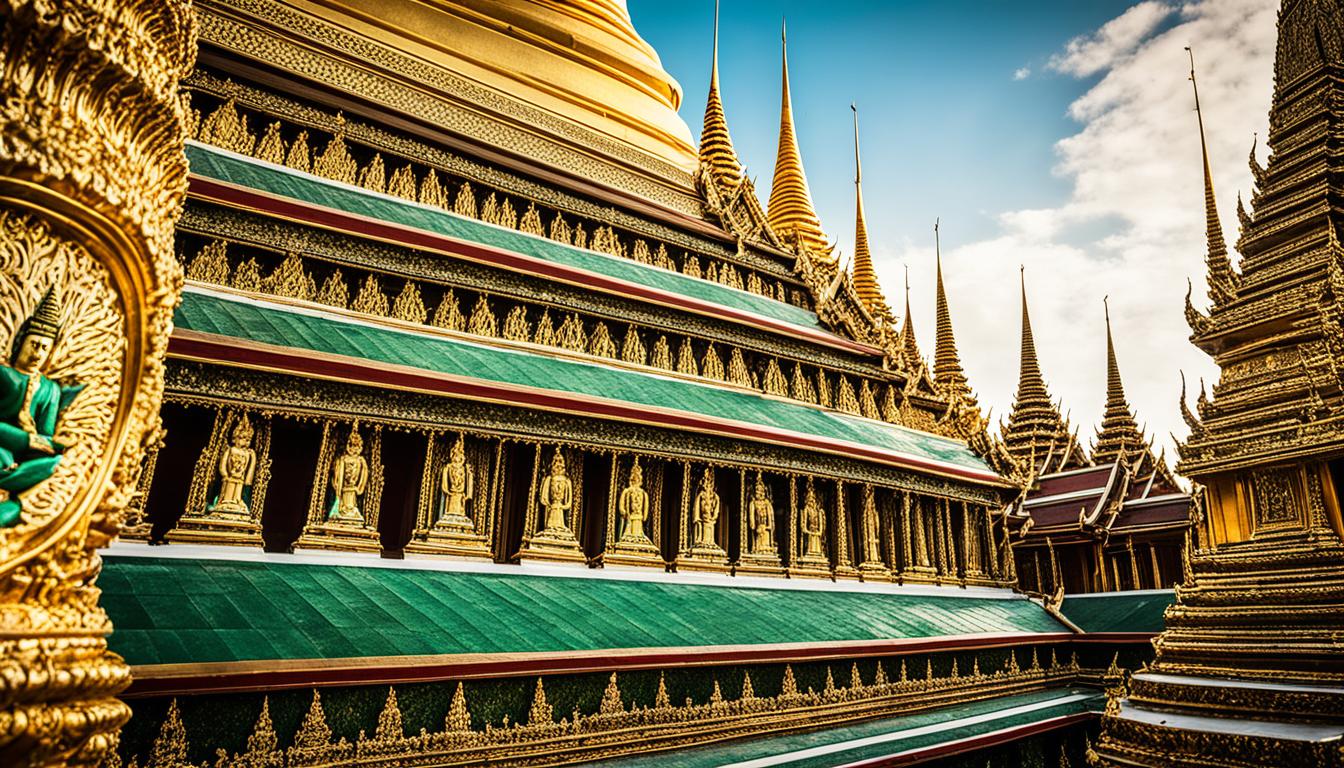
(1022, 73)
(1089, 54)
(1132, 228)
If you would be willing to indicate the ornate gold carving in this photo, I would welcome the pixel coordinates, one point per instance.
(93, 176)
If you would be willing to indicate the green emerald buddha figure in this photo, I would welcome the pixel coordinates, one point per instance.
(30, 404)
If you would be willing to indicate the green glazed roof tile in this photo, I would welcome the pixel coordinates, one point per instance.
(304, 611)
(272, 324)
(243, 171)
(1119, 611)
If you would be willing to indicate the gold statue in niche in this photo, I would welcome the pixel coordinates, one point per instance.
(762, 519)
(634, 508)
(349, 480)
(556, 496)
(813, 523)
(455, 484)
(29, 406)
(237, 468)
(706, 516)
(872, 530)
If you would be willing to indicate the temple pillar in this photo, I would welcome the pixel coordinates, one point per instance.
(92, 174)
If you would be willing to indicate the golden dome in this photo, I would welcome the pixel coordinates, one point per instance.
(579, 59)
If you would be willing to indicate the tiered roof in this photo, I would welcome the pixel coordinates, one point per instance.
(947, 371)
(1036, 435)
(790, 210)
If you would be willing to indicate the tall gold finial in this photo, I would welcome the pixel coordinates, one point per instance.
(716, 146)
(1222, 279)
(1036, 433)
(865, 277)
(909, 348)
(1119, 436)
(947, 370)
(790, 212)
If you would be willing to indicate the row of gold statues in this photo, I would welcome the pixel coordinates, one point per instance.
(455, 516)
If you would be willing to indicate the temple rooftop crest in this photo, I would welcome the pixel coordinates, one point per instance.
(790, 211)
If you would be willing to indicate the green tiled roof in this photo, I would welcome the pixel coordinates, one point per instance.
(272, 324)
(1118, 611)
(878, 739)
(235, 169)
(177, 610)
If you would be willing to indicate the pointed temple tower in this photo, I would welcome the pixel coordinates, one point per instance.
(1250, 669)
(947, 371)
(790, 210)
(716, 146)
(1119, 524)
(864, 275)
(1036, 434)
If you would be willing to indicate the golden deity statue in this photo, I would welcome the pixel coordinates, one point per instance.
(706, 512)
(237, 468)
(634, 508)
(29, 406)
(556, 496)
(455, 487)
(872, 528)
(813, 523)
(762, 520)
(349, 480)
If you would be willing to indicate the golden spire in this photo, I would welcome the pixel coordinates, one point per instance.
(865, 277)
(716, 146)
(1222, 279)
(909, 347)
(947, 371)
(1119, 435)
(1036, 434)
(790, 212)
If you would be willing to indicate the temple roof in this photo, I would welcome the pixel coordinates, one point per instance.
(1119, 438)
(906, 341)
(1131, 611)
(1036, 435)
(790, 210)
(716, 146)
(298, 336)
(201, 605)
(1104, 499)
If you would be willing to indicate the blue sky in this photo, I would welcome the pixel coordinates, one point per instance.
(946, 130)
(1056, 135)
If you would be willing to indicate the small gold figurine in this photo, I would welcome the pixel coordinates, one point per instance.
(455, 483)
(706, 512)
(349, 480)
(237, 468)
(556, 495)
(872, 536)
(762, 520)
(29, 406)
(634, 508)
(813, 523)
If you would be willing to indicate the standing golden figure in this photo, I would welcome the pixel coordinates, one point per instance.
(762, 514)
(237, 469)
(349, 480)
(707, 507)
(455, 484)
(634, 508)
(557, 498)
(813, 524)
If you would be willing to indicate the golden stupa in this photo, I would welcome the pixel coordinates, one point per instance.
(581, 60)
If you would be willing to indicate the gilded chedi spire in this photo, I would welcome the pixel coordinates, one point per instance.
(716, 146)
(1036, 435)
(865, 276)
(947, 371)
(1222, 278)
(1119, 436)
(909, 347)
(790, 211)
